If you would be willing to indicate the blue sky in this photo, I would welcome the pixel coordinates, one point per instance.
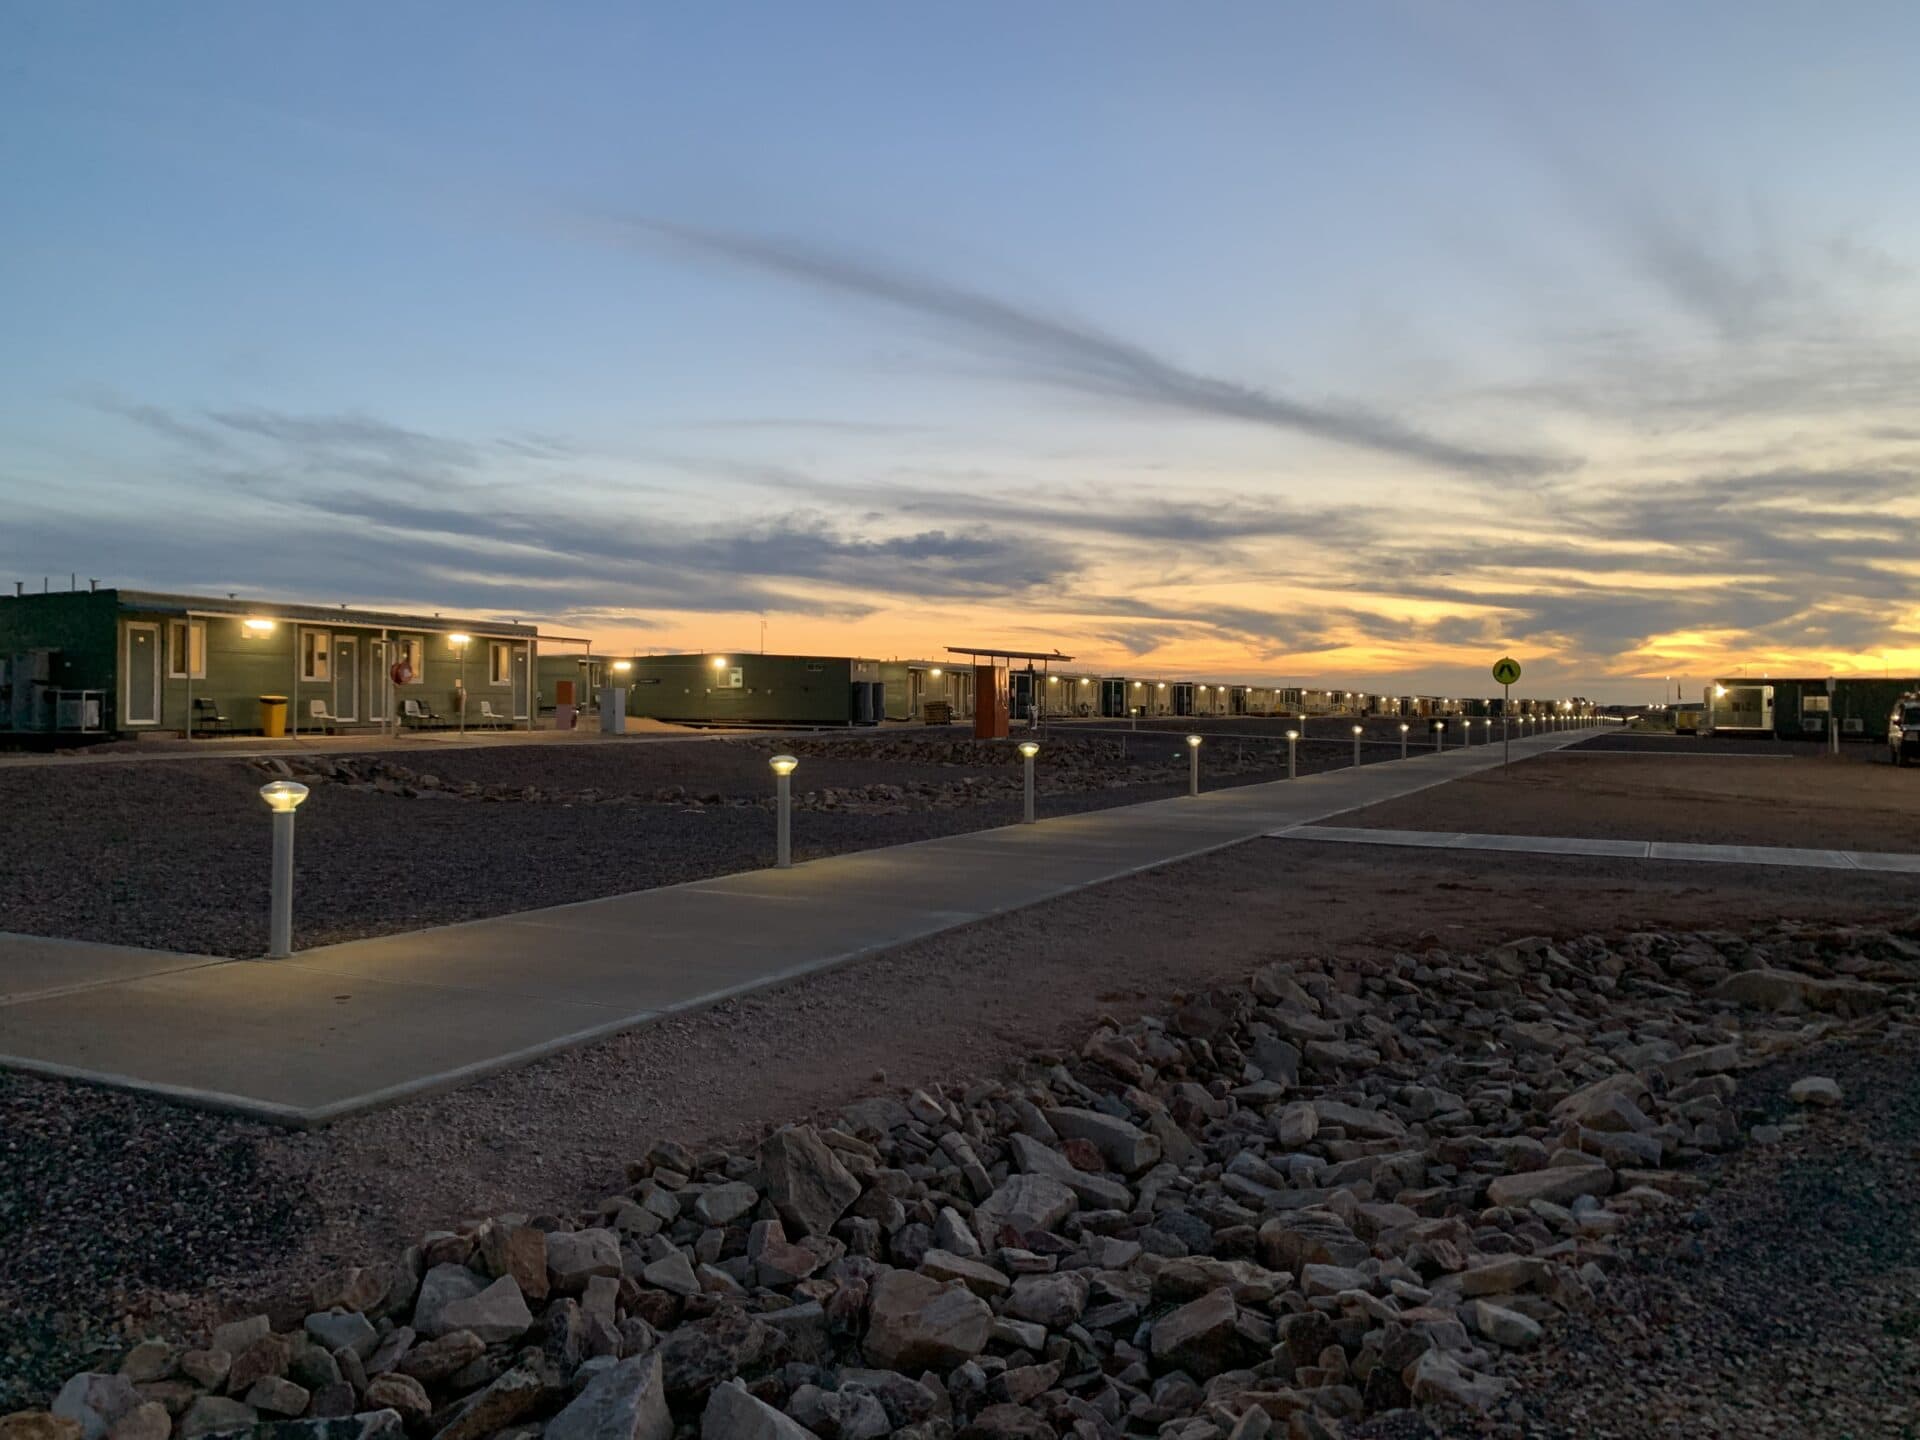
(1353, 343)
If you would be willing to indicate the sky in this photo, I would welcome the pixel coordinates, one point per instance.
(1354, 344)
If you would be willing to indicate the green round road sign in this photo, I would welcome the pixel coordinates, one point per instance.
(1506, 670)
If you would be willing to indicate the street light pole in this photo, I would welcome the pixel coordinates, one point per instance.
(460, 643)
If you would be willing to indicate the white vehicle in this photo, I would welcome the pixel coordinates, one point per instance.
(1903, 728)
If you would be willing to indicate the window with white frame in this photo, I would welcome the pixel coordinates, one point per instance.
(411, 651)
(186, 650)
(499, 662)
(1816, 704)
(316, 655)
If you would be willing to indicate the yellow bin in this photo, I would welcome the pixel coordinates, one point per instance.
(273, 715)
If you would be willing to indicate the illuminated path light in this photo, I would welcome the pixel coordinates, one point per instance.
(1404, 728)
(283, 797)
(1193, 774)
(783, 766)
(1029, 749)
(1293, 747)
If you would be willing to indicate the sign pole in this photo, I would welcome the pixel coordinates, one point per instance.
(1506, 726)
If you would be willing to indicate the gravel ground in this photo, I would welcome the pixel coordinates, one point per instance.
(1809, 801)
(174, 855)
(1787, 1302)
(119, 1169)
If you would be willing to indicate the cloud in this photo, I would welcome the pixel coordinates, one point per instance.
(1076, 356)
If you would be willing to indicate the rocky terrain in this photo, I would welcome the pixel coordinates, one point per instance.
(1359, 1197)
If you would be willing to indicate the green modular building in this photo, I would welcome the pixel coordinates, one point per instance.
(1802, 709)
(733, 689)
(132, 662)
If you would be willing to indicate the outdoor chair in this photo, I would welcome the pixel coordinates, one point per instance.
(491, 716)
(319, 718)
(208, 716)
(418, 714)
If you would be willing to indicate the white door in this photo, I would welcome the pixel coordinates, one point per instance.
(346, 677)
(140, 704)
(517, 659)
(379, 693)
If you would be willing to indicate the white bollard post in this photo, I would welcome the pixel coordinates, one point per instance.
(1293, 754)
(783, 766)
(1356, 747)
(283, 797)
(1028, 749)
(1193, 778)
(1403, 740)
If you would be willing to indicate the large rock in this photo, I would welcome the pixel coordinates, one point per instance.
(1366, 1124)
(697, 1356)
(733, 1414)
(576, 1256)
(212, 1414)
(1055, 1300)
(38, 1425)
(519, 1391)
(976, 1275)
(1101, 1192)
(1023, 1204)
(1787, 990)
(497, 1314)
(443, 1285)
(1202, 1337)
(920, 1324)
(1309, 1237)
(808, 1185)
(1503, 1326)
(626, 1402)
(1436, 1377)
(95, 1402)
(1124, 1145)
(1557, 1185)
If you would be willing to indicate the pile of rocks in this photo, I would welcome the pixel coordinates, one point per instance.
(1344, 1189)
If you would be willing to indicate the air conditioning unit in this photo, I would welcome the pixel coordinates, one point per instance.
(1853, 725)
(78, 710)
(1815, 724)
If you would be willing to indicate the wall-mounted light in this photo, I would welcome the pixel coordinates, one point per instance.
(719, 662)
(935, 672)
(459, 641)
(621, 667)
(257, 627)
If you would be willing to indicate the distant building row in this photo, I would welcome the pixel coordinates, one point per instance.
(129, 662)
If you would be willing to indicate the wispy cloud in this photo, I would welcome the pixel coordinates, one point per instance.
(1073, 355)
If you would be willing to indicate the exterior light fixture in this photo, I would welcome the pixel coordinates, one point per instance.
(460, 640)
(1193, 774)
(783, 767)
(1356, 745)
(622, 666)
(257, 626)
(283, 797)
(719, 662)
(1293, 754)
(1028, 749)
(935, 672)
(1404, 728)
(1053, 679)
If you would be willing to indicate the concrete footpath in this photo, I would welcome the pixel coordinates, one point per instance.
(1892, 862)
(348, 1027)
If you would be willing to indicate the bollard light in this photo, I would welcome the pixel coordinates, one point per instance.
(282, 797)
(1029, 749)
(1193, 776)
(1293, 741)
(1404, 728)
(1356, 746)
(1439, 735)
(783, 767)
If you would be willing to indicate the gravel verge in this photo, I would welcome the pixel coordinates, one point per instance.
(174, 856)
